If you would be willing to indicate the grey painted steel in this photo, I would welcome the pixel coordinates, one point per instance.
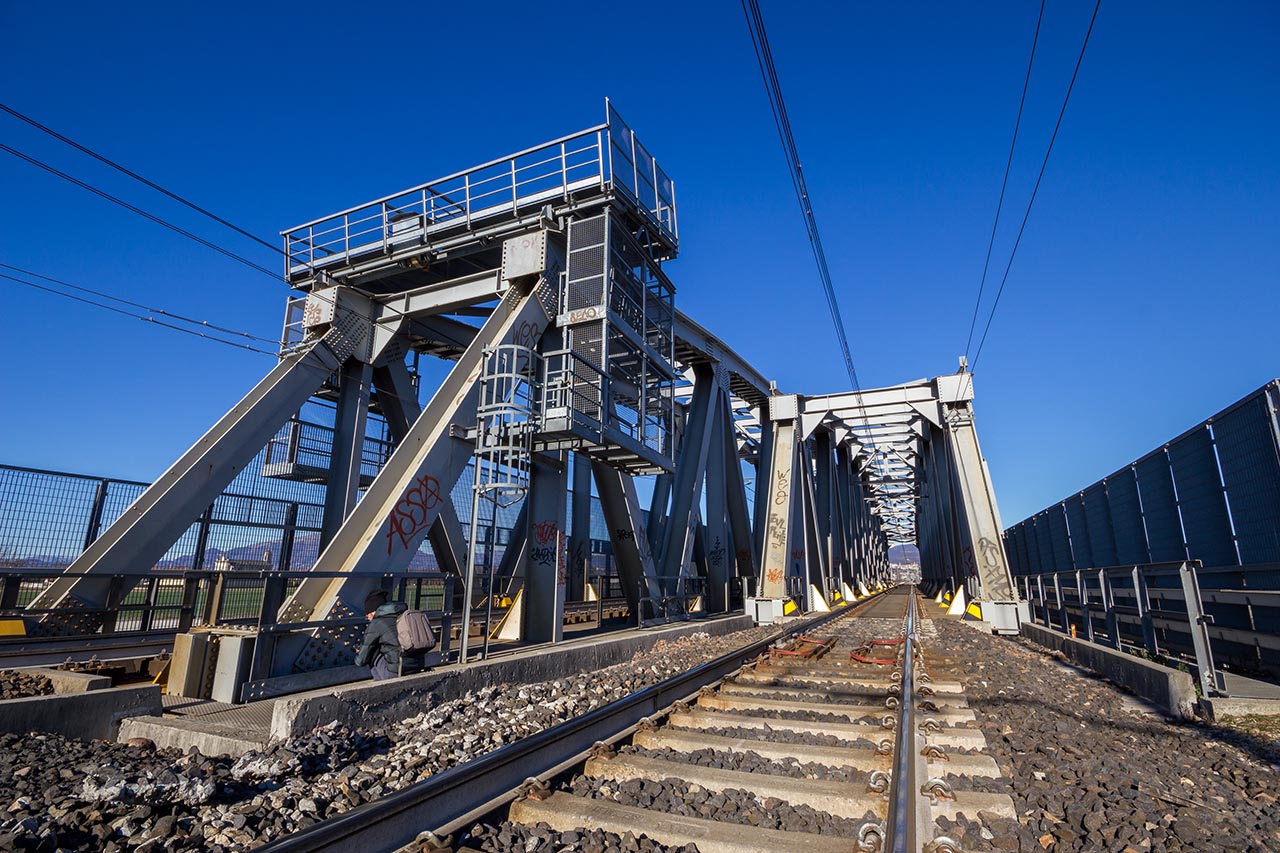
(690, 475)
(140, 537)
(354, 389)
(1166, 609)
(621, 506)
(398, 509)
(544, 584)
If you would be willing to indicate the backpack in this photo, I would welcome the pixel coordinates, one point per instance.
(414, 633)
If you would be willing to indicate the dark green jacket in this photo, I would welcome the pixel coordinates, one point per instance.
(380, 637)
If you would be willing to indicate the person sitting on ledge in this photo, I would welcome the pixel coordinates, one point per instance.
(380, 650)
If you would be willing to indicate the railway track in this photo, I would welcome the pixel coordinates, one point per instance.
(799, 742)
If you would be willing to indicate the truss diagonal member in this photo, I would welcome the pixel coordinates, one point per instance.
(387, 527)
(631, 551)
(139, 538)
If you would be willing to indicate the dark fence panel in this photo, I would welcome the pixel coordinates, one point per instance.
(1211, 494)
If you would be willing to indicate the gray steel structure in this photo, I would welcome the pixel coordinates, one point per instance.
(581, 363)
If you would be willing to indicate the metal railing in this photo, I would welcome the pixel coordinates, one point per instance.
(1168, 610)
(601, 158)
(47, 518)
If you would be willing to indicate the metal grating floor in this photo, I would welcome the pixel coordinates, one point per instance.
(253, 718)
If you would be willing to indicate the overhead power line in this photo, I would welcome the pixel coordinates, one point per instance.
(764, 56)
(1004, 183)
(120, 300)
(1025, 216)
(119, 168)
(132, 208)
(144, 317)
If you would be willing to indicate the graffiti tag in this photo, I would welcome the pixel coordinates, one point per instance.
(716, 555)
(544, 532)
(783, 491)
(410, 516)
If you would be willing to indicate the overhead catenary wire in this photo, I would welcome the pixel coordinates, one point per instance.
(145, 318)
(169, 314)
(152, 184)
(140, 212)
(1004, 183)
(777, 103)
(165, 223)
(166, 323)
(1004, 279)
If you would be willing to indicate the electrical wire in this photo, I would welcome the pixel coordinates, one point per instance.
(127, 206)
(1030, 202)
(385, 393)
(152, 184)
(1004, 183)
(777, 103)
(143, 317)
(122, 301)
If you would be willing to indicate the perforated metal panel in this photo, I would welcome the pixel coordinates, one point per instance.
(1200, 496)
(1126, 518)
(1102, 542)
(1081, 548)
(1247, 449)
(1160, 509)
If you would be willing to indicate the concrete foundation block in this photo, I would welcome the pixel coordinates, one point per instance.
(71, 682)
(210, 738)
(91, 715)
(1171, 689)
(1217, 707)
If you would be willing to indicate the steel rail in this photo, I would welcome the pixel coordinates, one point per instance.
(461, 794)
(901, 825)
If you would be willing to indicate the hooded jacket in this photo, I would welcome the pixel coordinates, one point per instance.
(380, 637)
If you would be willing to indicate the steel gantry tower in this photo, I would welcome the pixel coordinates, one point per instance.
(539, 278)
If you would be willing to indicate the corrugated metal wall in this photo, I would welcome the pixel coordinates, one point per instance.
(1211, 494)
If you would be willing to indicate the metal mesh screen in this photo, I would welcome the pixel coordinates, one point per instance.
(1160, 508)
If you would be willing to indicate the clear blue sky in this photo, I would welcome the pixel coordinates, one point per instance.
(1144, 296)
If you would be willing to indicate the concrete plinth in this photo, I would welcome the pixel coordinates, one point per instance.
(91, 715)
(1171, 689)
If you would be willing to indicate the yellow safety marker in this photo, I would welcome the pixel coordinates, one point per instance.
(789, 608)
(13, 628)
(975, 610)
(508, 627)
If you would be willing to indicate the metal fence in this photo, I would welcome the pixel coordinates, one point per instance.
(1212, 494)
(1178, 610)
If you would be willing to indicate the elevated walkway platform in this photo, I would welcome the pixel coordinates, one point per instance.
(396, 239)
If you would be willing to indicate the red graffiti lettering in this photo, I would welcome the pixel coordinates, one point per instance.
(410, 515)
(544, 532)
(773, 576)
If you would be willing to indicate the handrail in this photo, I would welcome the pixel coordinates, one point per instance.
(427, 185)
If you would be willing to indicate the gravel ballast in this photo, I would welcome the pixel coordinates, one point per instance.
(60, 793)
(20, 685)
(1088, 773)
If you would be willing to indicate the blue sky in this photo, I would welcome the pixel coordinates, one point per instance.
(1144, 296)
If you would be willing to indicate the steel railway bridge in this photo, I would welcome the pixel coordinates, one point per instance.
(542, 279)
